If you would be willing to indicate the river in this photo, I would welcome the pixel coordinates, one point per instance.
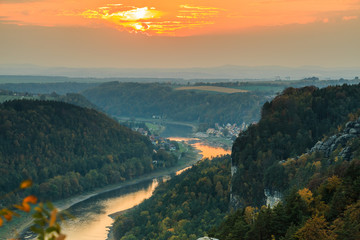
(92, 216)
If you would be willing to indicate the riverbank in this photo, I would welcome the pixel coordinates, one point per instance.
(18, 225)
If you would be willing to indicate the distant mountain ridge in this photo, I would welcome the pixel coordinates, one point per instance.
(219, 72)
(154, 99)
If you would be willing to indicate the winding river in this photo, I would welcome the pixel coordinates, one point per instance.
(94, 215)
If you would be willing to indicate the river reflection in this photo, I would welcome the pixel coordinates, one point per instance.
(205, 150)
(92, 216)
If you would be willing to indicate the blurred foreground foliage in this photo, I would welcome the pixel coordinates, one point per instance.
(45, 216)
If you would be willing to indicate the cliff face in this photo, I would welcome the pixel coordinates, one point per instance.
(351, 131)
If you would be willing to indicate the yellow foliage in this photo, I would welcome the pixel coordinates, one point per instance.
(306, 195)
(333, 182)
(25, 204)
(303, 159)
(26, 184)
(250, 214)
(317, 165)
(289, 161)
(53, 217)
(316, 228)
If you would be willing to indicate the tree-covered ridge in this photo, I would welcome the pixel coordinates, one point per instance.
(185, 207)
(290, 124)
(67, 149)
(324, 203)
(146, 100)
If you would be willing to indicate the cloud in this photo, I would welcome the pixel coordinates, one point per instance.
(347, 18)
(178, 17)
(151, 20)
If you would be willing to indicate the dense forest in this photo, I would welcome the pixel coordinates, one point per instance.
(66, 149)
(184, 207)
(146, 100)
(323, 202)
(290, 124)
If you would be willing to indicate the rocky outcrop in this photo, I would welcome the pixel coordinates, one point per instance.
(272, 197)
(352, 130)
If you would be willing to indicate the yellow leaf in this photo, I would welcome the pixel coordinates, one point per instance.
(30, 199)
(8, 215)
(26, 184)
(26, 207)
(19, 207)
(1, 222)
(53, 217)
(25, 204)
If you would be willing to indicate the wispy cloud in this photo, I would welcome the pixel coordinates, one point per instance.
(347, 18)
(177, 17)
(151, 20)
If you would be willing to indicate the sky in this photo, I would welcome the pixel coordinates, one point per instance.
(180, 33)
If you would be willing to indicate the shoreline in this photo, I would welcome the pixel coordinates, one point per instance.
(25, 222)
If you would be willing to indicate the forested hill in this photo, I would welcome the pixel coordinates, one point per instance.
(290, 124)
(319, 183)
(66, 149)
(146, 100)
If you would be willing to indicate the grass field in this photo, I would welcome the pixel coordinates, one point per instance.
(213, 89)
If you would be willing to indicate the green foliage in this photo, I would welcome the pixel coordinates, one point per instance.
(146, 100)
(66, 149)
(290, 124)
(332, 211)
(184, 207)
(267, 156)
(45, 224)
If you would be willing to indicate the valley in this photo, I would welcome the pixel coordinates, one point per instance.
(151, 160)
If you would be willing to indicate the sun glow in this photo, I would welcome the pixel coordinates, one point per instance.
(177, 17)
(132, 19)
(150, 20)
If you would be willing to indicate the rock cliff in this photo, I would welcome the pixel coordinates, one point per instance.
(351, 131)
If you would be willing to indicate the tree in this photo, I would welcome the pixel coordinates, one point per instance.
(316, 228)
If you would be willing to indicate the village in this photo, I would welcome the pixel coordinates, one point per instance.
(218, 136)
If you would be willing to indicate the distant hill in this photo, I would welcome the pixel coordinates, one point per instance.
(154, 99)
(66, 149)
(213, 74)
(44, 85)
(72, 98)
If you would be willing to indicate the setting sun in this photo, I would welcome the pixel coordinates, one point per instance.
(177, 18)
(212, 33)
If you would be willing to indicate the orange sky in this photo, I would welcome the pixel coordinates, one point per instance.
(180, 33)
(176, 17)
